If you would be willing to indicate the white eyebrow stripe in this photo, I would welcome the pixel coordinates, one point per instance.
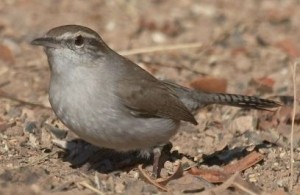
(82, 33)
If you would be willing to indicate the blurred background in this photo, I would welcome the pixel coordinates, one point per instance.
(248, 39)
(244, 47)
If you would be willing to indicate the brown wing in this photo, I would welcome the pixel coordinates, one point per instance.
(150, 97)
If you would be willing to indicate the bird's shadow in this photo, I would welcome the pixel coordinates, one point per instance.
(82, 154)
(226, 155)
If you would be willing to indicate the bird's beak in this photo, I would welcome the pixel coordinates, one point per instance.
(46, 42)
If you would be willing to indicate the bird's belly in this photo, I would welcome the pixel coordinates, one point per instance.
(108, 127)
(125, 133)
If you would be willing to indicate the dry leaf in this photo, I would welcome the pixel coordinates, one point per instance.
(289, 47)
(146, 177)
(6, 55)
(210, 175)
(263, 84)
(244, 163)
(210, 84)
(177, 174)
(218, 176)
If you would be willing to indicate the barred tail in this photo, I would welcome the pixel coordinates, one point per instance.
(240, 101)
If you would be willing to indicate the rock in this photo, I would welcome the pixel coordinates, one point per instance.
(242, 124)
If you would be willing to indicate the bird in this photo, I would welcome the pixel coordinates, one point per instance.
(111, 102)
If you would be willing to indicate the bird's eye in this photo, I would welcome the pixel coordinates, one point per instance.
(79, 41)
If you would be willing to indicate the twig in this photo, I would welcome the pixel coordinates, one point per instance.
(177, 174)
(160, 48)
(229, 182)
(148, 179)
(241, 187)
(219, 189)
(87, 185)
(10, 97)
(97, 182)
(293, 68)
(179, 67)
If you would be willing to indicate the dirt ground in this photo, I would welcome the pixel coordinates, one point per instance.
(247, 47)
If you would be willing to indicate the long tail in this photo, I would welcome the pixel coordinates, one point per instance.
(195, 100)
(236, 100)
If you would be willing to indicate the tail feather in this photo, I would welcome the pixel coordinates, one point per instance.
(239, 101)
(194, 100)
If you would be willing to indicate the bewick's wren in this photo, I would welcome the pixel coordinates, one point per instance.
(110, 102)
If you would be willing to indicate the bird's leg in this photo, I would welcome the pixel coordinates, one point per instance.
(156, 161)
(158, 153)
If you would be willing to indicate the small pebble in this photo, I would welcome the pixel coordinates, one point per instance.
(253, 180)
(263, 150)
(134, 174)
(282, 154)
(119, 188)
(276, 167)
(158, 37)
(168, 165)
